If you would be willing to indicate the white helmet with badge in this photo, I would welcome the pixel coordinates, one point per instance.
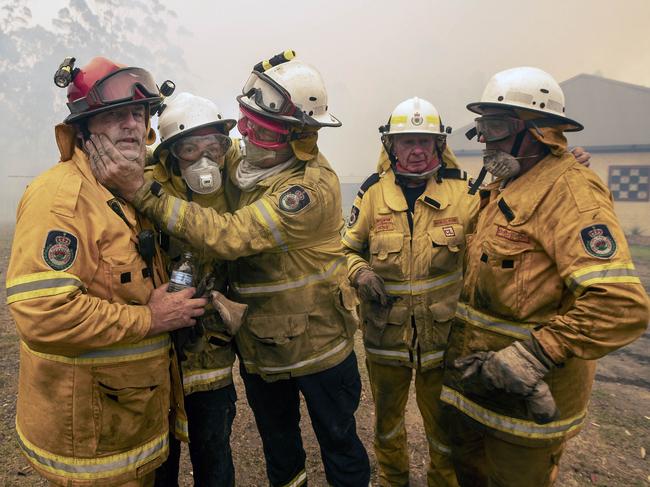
(414, 116)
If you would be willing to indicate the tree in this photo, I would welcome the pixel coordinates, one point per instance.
(133, 32)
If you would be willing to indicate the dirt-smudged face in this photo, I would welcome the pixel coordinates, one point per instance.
(125, 127)
(415, 152)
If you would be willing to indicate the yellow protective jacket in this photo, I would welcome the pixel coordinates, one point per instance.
(548, 260)
(422, 268)
(290, 267)
(93, 392)
(211, 368)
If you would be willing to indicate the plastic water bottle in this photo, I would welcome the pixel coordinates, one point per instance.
(182, 274)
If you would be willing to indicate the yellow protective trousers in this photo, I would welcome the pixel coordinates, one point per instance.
(390, 390)
(483, 458)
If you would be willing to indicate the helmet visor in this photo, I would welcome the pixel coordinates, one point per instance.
(494, 128)
(122, 85)
(268, 95)
(194, 147)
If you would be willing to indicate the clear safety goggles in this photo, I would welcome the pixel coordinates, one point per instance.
(122, 85)
(498, 127)
(265, 133)
(268, 95)
(193, 147)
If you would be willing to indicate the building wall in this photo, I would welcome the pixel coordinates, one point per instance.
(633, 215)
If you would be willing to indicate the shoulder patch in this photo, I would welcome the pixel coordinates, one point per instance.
(598, 241)
(354, 216)
(370, 180)
(60, 250)
(294, 199)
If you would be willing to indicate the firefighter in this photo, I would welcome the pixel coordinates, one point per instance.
(284, 232)
(405, 239)
(94, 387)
(549, 287)
(189, 165)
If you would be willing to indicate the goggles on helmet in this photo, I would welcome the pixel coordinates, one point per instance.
(265, 133)
(122, 85)
(498, 127)
(268, 94)
(193, 147)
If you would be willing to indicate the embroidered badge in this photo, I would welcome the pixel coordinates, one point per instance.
(598, 241)
(384, 224)
(448, 231)
(511, 235)
(446, 221)
(354, 216)
(60, 250)
(294, 199)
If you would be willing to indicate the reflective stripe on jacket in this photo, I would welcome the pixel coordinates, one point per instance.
(423, 269)
(289, 268)
(93, 392)
(548, 260)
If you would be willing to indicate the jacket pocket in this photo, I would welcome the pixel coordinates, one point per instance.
(128, 279)
(395, 334)
(441, 316)
(446, 249)
(280, 340)
(500, 283)
(130, 404)
(386, 255)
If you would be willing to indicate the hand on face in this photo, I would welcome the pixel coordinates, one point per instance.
(121, 175)
(117, 148)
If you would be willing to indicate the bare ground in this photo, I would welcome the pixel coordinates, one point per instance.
(611, 450)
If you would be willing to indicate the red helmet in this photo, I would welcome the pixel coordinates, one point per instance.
(103, 85)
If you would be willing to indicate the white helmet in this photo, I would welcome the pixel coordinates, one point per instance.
(414, 116)
(526, 88)
(288, 90)
(185, 112)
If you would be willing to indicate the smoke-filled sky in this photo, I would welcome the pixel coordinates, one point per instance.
(374, 54)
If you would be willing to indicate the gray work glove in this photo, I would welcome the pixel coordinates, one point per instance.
(375, 304)
(517, 369)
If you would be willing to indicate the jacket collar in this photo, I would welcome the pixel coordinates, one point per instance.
(523, 195)
(435, 195)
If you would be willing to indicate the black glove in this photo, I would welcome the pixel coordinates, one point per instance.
(375, 304)
(370, 286)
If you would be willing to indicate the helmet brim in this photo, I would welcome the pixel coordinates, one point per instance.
(571, 125)
(325, 120)
(226, 124)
